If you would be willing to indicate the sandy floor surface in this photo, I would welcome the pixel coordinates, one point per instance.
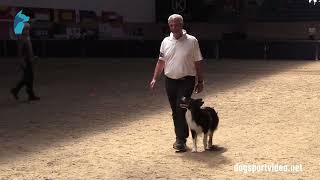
(98, 120)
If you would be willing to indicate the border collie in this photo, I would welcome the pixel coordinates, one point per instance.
(200, 120)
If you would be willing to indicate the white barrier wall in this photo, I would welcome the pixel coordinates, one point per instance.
(131, 10)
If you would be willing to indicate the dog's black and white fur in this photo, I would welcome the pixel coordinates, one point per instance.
(200, 120)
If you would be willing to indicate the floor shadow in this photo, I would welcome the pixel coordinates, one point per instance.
(212, 158)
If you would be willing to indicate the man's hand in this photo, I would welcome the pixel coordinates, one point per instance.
(157, 72)
(153, 84)
(199, 88)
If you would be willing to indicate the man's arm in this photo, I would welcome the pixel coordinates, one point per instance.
(199, 71)
(157, 72)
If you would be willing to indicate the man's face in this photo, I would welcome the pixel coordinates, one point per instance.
(175, 26)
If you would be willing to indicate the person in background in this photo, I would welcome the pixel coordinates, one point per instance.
(26, 58)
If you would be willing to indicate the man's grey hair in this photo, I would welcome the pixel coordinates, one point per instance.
(175, 17)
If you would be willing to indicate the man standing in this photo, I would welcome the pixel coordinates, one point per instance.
(25, 53)
(181, 59)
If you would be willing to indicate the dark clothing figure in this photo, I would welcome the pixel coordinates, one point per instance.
(25, 53)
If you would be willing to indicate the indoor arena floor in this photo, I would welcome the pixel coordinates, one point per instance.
(97, 119)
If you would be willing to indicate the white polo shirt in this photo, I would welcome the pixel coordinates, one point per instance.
(180, 55)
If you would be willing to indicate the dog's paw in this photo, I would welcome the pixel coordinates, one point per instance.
(194, 150)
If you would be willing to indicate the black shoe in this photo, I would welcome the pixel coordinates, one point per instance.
(180, 147)
(34, 98)
(14, 93)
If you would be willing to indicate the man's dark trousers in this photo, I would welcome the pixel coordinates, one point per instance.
(176, 89)
(26, 80)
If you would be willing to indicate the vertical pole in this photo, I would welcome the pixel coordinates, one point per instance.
(317, 51)
(217, 50)
(265, 50)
